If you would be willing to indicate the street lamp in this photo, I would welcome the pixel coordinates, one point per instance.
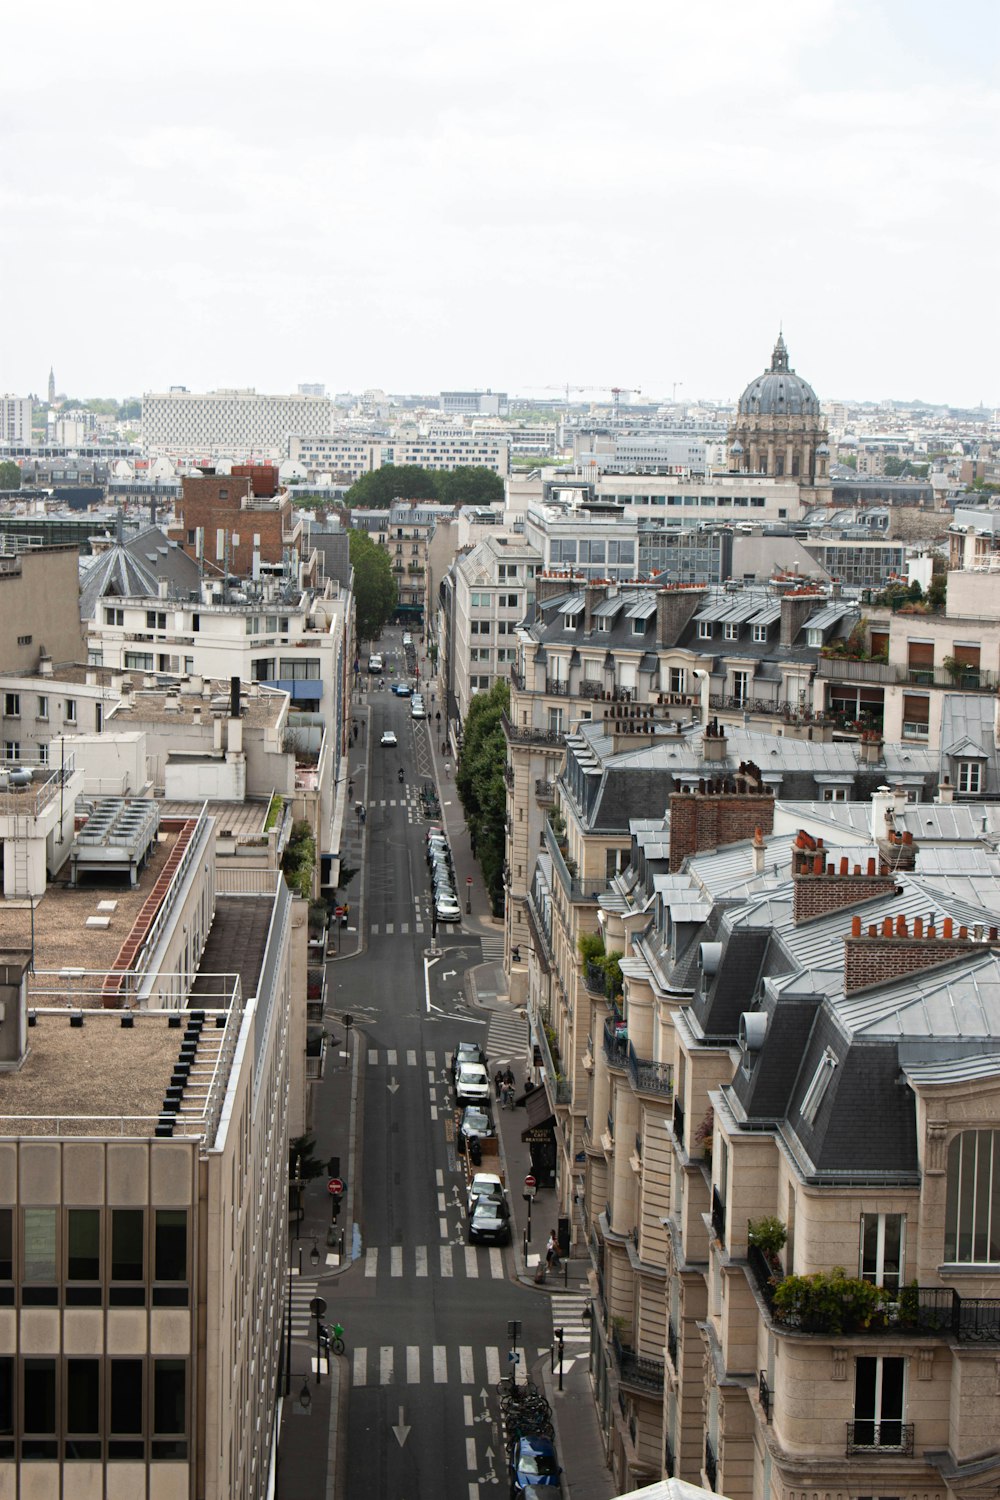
(305, 1395)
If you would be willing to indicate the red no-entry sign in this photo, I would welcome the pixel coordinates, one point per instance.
(335, 1186)
(468, 879)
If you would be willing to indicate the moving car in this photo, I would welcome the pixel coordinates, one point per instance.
(375, 662)
(489, 1222)
(388, 737)
(534, 1466)
(402, 689)
(472, 1084)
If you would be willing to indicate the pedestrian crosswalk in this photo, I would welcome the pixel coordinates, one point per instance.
(571, 1313)
(507, 1039)
(448, 1261)
(303, 1290)
(493, 947)
(473, 1365)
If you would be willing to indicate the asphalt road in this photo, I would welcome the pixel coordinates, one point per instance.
(426, 1315)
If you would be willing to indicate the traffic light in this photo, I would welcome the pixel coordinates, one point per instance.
(559, 1334)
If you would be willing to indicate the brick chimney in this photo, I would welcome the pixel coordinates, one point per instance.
(593, 595)
(551, 585)
(898, 850)
(819, 887)
(714, 744)
(674, 610)
(796, 607)
(880, 955)
(725, 810)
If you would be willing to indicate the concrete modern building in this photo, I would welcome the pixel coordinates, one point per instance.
(238, 424)
(15, 419)
(144, 1147)
(39, 610)
(349, 456)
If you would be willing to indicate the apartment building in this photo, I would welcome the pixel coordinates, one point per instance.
(917, 669)
(39, 616)
(15, 419)
(144, 1086)
(349, 456)
(740, 655)
(493, 591)
(786, 1051)
(235, 523)
(240, 424)
(406, 530)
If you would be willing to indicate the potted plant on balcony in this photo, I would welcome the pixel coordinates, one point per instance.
(703, 1135)
(769, 1236)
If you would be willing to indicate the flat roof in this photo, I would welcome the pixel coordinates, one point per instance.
(88, 1080)
(62, 938)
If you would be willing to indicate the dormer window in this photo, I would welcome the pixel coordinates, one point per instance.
(638, 627)
(760, 633)
(732, 630)
(816, 1092)
(970, 777)
(603, 624)
(572, 622)
(705, 630)
(814, 637)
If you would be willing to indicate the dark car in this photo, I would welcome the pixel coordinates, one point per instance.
(467, 1052)
(489, 1223)
(534, 1466)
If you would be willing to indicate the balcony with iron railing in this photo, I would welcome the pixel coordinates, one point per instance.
(917, 1310)
(589, 688)
(616, 1044)
(594, 977)
(545, 792)
(764, 1395)
(525, 734)
(640, 1372)
(648, 1076)
(711, 1466)
(573, 887)
(560, 1090)
(556, 687)
(517, 678)
(718, 1216)
(678, 1121)
(868, 1437)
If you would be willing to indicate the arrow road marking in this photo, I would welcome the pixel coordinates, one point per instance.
(400, 1431)
(449, 974)
(392, 1086)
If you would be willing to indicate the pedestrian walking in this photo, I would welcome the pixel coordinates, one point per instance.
(350, 791)
(498, 1081)
(506, 1095)
(508, 1077)
(552, 1252)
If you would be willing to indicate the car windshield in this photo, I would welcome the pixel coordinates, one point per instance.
(476, 1119)
(472, 1073)
(540, 1464)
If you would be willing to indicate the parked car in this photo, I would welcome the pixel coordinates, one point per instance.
(534, 1466)
(447, 909)
(472, 1084)
(375, 663)
(467, 1052)
(476, 1121)
(485, 1185)
(388, 737)
(489, 1222)
(417, 710)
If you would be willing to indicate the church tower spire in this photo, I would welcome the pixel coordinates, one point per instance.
(779, 356)
(52, 385)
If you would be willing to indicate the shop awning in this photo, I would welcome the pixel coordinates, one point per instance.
(539, 1111)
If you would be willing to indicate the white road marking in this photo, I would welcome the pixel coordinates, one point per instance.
(421, 1260)
(360, 1366)
(466, 1372)
(446, 1268)
(385, 1365)
(371, 1262)
(470, 1453)
(440, 1365)
(396, 1261)
(471, 1261)
(413, 1364)
(492, 1366)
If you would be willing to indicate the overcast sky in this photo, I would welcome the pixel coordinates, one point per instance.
(424, 196)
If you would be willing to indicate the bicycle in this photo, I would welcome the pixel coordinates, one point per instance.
(332, 1339)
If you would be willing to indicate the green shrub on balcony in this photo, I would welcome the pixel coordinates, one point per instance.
(832, 1303)
(769, 1235)
(590, 946)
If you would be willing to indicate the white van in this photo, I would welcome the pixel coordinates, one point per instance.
(375, 663)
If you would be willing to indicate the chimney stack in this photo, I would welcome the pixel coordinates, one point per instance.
(880, 957)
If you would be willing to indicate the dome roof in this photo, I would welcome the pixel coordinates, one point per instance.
(779, 392)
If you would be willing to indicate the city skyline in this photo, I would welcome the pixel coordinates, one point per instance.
(418, 200)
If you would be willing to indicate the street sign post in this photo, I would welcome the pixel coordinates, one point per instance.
(335, 1186)
(468, 893)
(530, 1188)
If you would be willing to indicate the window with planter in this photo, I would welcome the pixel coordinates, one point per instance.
(882, 1249)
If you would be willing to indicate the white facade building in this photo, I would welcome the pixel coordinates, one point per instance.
(237, 424)
(494, 589)
(15, 419)
(351, 456)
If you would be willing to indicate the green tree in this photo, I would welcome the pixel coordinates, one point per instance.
(469, 486)
(10, 475)
(374, 585)
(479, 778)
(382, 486)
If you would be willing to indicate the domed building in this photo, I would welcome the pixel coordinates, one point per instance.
(779, 429)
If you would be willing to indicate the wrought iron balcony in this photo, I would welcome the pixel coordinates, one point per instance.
(556, 687)
(718, 1216)
(560, 1090)
(615, 1045)
(545, 792)
(764, 1395)
(508, 774)
(711, 1466)
(517, 678)
(868, 1437)
(649, 1077)
(638, 1371)
(678, 1120)
(524, 734)
(595, 978)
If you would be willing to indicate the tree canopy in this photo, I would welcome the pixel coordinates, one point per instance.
(374, 585)
(479, 778)
(10, 475)
(463, 486)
